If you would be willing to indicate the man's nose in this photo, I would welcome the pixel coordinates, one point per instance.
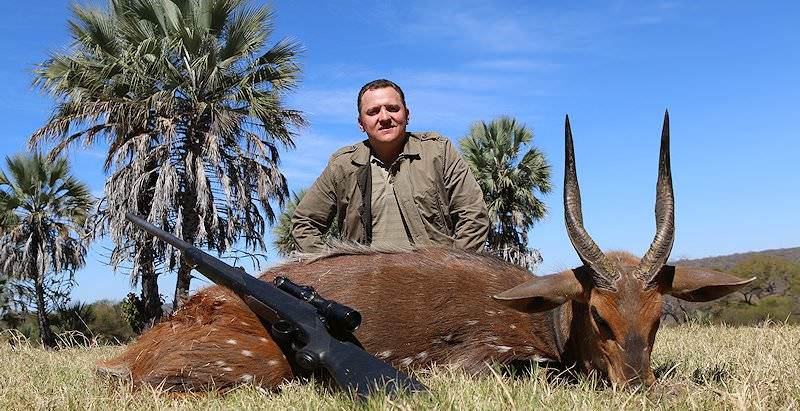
(384, 116)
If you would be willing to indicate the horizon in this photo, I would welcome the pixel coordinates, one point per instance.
(726, 72)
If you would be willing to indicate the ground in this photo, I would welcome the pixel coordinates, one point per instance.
(698, 367)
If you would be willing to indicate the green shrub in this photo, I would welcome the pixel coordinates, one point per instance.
(772, 308)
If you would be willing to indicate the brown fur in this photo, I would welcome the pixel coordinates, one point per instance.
(214, 340)
(429, 306)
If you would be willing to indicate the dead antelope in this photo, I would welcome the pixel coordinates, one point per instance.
(446, 306)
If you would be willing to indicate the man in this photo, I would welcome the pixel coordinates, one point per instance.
(395, 188)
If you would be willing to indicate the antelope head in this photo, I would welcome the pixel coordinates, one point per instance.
(617, 298)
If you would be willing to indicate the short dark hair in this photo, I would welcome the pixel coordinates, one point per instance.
(376, 84)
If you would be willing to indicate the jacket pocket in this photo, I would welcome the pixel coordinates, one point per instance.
(433, 211)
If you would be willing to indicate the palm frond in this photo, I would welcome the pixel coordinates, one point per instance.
(508, 180)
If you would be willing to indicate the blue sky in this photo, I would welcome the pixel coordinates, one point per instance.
(727, 72)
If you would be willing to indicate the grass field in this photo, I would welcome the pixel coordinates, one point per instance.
(698, 367)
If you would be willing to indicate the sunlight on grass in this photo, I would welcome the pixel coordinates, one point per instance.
(698, 367)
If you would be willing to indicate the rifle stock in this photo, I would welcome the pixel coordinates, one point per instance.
(352, 368)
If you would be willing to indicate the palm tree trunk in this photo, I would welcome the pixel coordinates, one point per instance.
(190, 220)
(190, 224)
(45, 333)
(151, 300)
(182, 285)
(150, 297)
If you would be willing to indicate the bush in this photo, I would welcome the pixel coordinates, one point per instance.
(101, 321)
(109, 325)
(772, 308)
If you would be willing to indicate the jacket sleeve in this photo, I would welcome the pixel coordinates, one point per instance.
(467, 208)
(314, 214)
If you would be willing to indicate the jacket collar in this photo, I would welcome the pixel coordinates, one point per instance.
(412, 148)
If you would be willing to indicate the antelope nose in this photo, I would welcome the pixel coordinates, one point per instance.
(640, 381)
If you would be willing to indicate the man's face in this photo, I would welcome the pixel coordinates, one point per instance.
(383, 116)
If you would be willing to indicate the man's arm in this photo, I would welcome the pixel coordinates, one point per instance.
(314, 214)
(467, 208)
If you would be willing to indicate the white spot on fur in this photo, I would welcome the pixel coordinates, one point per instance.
(513, 327)
(227, 369)
(421, 355)
(262, 339)
(247, 353)
(502, 348)
(471, 322)
(490, 312)
(244, 324)
(384, 354)
(272, 363)
(220, 363)
(246, 377)
(232, 342)
(406, 361)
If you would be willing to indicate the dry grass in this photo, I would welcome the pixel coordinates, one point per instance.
(699, 367)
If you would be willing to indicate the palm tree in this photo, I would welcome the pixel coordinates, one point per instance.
(189, 99)
(42, 210)
(282, 238)
(508, 179)
(5, 295)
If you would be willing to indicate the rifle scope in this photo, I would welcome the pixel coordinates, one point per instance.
(338, 316)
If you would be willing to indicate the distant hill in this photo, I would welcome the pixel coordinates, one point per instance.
(675, 310)
(726, 262)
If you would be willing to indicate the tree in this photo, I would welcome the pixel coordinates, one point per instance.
(282, 232)
(42, 210)
(774, 277)
(190, 103)
(508, 179)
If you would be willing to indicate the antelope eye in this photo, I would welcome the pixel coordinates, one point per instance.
(602, 324)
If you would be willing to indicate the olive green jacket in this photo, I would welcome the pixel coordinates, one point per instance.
(435, 188)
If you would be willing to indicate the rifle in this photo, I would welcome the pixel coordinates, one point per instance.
(297, 318)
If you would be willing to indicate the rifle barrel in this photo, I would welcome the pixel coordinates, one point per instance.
(351, 367)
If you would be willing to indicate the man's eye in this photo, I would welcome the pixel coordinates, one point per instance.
(393, 109)
(372, 112)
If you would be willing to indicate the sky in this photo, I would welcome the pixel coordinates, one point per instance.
(726, 71)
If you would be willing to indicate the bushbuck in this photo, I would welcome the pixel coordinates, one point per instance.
(446, 306)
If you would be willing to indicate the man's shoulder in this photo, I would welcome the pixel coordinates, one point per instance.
(348, 150)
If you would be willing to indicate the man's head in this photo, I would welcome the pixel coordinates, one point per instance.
(383, 115)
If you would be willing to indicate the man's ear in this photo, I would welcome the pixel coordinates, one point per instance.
(544, 293)
(697, 284)
(360, 125)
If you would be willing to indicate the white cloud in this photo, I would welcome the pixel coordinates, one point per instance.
(302, 165)
(332, 105)
(512, 65)
(513, 28)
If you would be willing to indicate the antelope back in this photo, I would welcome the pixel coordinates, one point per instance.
(433, 305)
(429, 306)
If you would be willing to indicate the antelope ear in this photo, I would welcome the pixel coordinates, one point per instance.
(544, 293)
(697, 284)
